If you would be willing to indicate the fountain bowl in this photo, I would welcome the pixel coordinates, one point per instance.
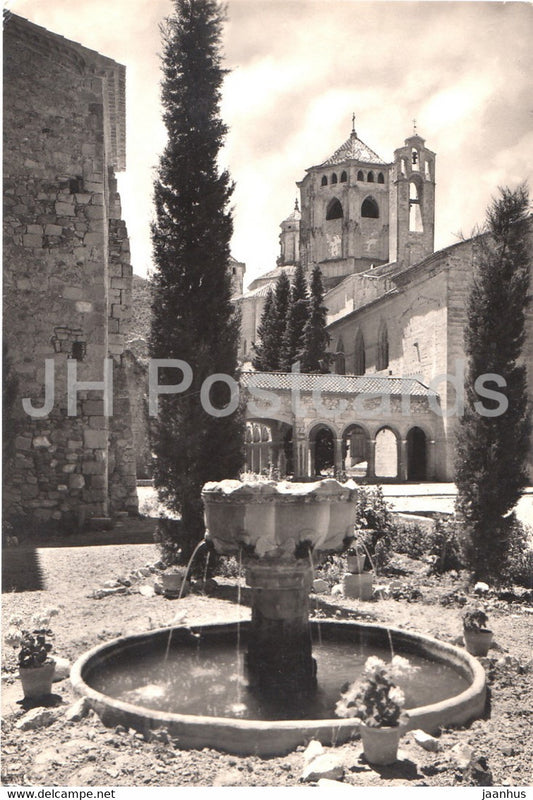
(274, 737)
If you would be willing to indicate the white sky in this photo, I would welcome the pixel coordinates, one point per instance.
(299, 69)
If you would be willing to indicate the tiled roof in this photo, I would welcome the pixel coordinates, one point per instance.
(337, 384)
(353, 149)
(259, 291)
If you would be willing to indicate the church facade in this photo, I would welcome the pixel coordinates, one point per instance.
(396, 317)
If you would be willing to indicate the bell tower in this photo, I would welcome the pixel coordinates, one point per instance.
(413, 202)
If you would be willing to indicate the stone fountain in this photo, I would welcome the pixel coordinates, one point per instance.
(280, 530)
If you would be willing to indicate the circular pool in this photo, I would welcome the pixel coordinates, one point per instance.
(201, 695)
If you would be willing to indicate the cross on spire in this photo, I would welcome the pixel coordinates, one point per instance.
(414, 126)
(353, 122)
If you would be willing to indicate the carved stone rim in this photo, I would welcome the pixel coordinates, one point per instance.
(235, 492)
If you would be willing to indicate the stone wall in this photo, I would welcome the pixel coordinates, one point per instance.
(67, 276)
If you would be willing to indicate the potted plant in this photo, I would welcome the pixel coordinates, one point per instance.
(174, 581)
(36, 668)
(378, 702)
(477, 636)
(355, 558)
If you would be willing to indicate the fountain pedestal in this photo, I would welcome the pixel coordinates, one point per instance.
(278, 527)
(279, 658)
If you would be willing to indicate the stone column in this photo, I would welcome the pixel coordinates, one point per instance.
(402, 459)
(279, 658)
(371, 470)
(430, 459)
(337, 455)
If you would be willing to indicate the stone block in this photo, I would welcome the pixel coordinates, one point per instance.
(358, 586)
(65, 209)
(37, 718)
(93, 467)
(84, 307)
(94, 238)
(93, 439)
(83, 199)
(22, 443)
(76, 481)
(72, 292)
(32, 240)
(41, 441)
(38, 229)
(53, 230)
(93, 407)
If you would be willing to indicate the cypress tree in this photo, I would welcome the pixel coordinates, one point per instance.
(266, 348)
(491, 451)
(316, 337)
(293, 337)
(272, 326)
(193, 318)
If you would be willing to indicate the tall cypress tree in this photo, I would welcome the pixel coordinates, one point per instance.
(266, 349)
(293, 338)
(491, 451)
(316, 338)
(272, 326)
(193, 318)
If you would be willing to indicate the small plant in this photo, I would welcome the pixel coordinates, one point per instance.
(377, 700)
(33, 645)
(475, 619)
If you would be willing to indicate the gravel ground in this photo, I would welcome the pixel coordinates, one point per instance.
(85, 753)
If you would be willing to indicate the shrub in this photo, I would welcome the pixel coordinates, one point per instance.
(374, 523)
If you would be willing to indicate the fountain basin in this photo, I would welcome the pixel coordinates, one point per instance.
(268, 737)
(273, 519)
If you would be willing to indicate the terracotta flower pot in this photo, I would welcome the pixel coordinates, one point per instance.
(37, 681)
(478, 642)
(356, 564)
(380, 745)
(172, 583)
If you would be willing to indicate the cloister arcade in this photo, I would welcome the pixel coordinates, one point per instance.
(331, 430)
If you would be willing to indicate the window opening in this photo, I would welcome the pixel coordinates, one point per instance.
(370, 208)
(334, 210)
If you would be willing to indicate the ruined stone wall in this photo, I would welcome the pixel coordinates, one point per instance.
(59, 221)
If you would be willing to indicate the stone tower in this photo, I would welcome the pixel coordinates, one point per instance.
(289, 238)
(413, 202)
(345, 212)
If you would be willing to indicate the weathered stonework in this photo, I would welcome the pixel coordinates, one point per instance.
(67, 276)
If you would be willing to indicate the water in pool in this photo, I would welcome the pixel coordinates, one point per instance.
(210, 680)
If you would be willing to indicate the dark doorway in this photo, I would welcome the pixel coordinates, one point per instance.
(416, 455)
(288, 453)
(324, 451)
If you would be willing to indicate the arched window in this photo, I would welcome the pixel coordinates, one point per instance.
(383, 347)
(324, 180)
(344, 177)
(415, 159)
(334, 209)
(359, 367)
(334, 177)
(340, 361)
(415, 214)
(427, 170)
(370, 208)
(381, 178)
(360, 176)
(370, 177)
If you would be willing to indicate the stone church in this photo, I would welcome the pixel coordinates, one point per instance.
(67, 281)
(396, 316)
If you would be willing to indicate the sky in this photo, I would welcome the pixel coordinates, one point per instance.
(298, 70)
